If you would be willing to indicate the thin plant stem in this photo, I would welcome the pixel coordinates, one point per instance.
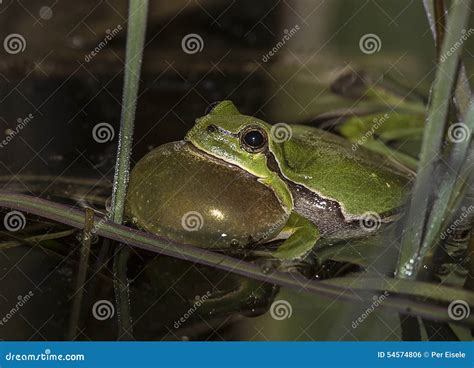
(133, 59)
(137, 20)
(81, 273)
(34, 240)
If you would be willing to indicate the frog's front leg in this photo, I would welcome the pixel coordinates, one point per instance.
(303, 236)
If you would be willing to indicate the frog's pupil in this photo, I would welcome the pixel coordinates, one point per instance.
(254, 138)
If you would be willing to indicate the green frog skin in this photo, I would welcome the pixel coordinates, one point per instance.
(324, 187)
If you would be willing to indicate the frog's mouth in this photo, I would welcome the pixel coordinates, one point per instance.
(209, 156)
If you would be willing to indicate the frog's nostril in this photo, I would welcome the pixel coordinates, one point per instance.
(211, 128)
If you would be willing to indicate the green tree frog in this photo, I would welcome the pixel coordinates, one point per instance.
(247, 183)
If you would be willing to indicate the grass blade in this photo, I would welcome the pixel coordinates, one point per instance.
(410, 257)
(448, 194)
(137, 20)
(133, 59)
(436, 14)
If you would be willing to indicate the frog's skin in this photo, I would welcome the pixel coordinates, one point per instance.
(184, 194)
(324, 186)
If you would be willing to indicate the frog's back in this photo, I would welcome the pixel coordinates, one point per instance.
(360, 180)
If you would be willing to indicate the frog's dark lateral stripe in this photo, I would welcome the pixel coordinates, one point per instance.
(325, 214)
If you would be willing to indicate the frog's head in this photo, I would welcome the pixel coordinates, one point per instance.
(235, 138)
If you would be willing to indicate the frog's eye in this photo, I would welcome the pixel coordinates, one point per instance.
(253, 139)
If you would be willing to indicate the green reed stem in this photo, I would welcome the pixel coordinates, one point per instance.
(133, 60)
(137, 20)
(432, 146)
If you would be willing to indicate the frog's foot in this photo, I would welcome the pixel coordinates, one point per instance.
(303, 237)
(250, 298)
(306, 267)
